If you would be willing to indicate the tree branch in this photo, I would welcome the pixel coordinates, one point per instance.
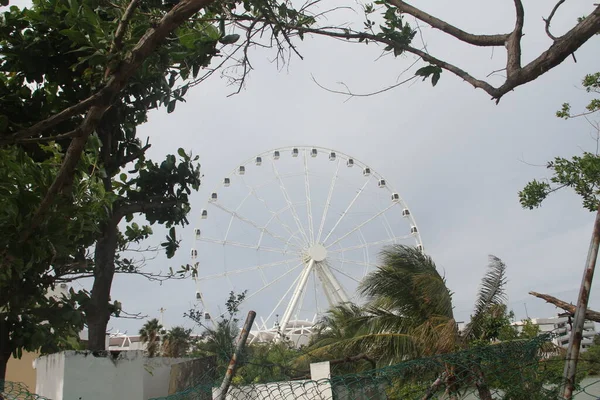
(513, 43)
(115, 164)
(590, 315)
(516, 75)
(556, 53)
(549, 19)
(426, 57)
(477, 40)
(138, 207)
(145, 46)
(117, 43)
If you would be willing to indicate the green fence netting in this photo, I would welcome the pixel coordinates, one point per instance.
(517, 370)
(17, 391)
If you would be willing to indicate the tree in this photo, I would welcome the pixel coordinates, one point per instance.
(397, 35)
(581, 173)
(150, 336)
(105, 59)
(177, 342)
(408, 314)
(30, 320)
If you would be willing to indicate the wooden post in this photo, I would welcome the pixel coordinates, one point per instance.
(241, 343)
(580, 311)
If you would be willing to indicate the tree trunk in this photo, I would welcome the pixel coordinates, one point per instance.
(5, 352)
(97, 311)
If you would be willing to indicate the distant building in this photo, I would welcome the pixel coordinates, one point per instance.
(561, 327)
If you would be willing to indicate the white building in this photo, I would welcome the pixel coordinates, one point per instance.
(561, 327)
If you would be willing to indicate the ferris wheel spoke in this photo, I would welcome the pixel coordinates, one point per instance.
(287, 292)
(269, 284)
(274, 214)
(345, 274)
(235, 214)
(328, 202)
(389, 226)
(356, 228)
(365, 252)
(361, 246)
(346, 211)
(289, 203)
(248, 246)
(248, 269)
(309, 205)
(349, 261)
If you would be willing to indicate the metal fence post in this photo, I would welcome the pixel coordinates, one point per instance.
(579, 320)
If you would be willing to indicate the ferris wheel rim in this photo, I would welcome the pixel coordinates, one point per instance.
(358, 162)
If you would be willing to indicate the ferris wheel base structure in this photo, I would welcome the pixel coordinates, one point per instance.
(291, 221)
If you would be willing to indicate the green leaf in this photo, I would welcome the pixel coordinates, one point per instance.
(435, 78)
(75, 36)
(182, 154)
(123, 177)
(171, 106)
(230, 39)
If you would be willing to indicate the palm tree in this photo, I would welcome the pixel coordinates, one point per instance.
(407, 313)
(177, 342)
(408, 310)
(150, 335)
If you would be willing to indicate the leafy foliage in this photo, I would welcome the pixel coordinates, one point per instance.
(580, 173)
(591, 83)
(408, 312)
(29, 319)
(177, 342)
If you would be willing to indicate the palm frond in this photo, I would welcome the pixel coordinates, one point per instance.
(491, 292)
(408, 282)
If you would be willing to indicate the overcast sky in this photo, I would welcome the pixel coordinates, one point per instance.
(456, 157)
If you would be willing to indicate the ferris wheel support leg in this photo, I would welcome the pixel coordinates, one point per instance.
(295, 297)
(327, 289)
(337, 290)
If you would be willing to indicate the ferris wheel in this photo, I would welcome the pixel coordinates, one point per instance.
(297, 228)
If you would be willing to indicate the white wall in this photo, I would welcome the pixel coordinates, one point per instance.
(73, 375)
(99, 378)
(50, 376)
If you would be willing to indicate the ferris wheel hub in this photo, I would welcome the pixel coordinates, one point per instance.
(317, 252)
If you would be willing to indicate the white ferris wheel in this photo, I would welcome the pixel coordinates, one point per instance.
(297, 228)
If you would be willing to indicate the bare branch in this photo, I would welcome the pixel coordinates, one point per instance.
(562, 48)
(477, 40)
(590, 315)
(349, 93)
(426, 57)
(549, 19)
(126, 315)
